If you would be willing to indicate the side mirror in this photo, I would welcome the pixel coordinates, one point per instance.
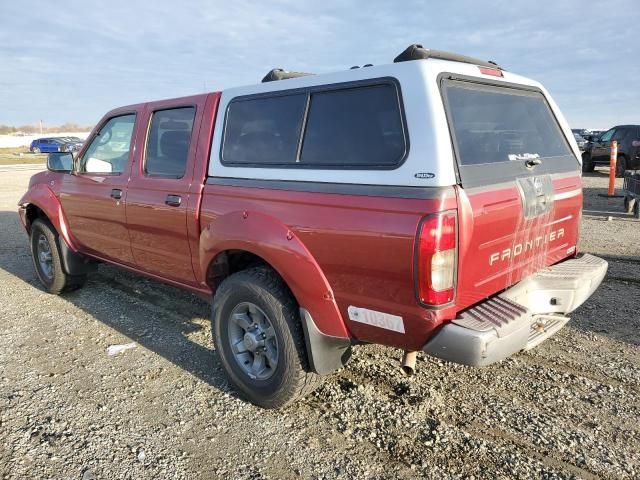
(60, 162)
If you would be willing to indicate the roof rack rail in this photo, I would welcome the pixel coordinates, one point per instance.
(281, 74)
(418, 52)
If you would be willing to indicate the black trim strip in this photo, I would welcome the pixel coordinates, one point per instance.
(303, 127)
(393, 191)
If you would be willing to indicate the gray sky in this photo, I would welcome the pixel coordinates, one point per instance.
(73, 60)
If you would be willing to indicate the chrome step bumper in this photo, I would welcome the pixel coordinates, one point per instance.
(521, 317)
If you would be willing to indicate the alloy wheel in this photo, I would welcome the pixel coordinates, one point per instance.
(45, 259)
(253, 341)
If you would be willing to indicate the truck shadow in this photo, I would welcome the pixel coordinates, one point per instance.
(596, 203)
(161, 318)
(613, 309)
(174, 324)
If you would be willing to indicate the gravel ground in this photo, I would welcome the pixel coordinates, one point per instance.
(568, 409)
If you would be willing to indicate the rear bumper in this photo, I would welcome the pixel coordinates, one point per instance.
(521, 317)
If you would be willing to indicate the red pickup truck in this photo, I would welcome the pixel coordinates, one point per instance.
(431, 204)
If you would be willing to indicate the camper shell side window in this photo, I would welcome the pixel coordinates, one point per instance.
(356, 125)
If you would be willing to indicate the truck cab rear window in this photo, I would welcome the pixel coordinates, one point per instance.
(498, 124)
(352, 127)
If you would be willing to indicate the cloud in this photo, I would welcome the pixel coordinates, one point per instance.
(84, 58)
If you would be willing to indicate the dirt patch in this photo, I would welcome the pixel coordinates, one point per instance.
(568, 409)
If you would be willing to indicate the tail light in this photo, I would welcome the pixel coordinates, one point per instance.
(436, 258)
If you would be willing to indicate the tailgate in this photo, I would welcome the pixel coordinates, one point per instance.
(520, 187)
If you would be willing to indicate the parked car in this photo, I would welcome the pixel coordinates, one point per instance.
(580, 141)
(72, 144)
(583, 132)
(598, 150)
(593, 135)
(46, 145)
(409, 204)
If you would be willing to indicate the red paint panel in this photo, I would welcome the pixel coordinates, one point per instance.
(203, 151)
(499, 247)
(158, 231)
(41, 195)
(362, 245)
(97, 221)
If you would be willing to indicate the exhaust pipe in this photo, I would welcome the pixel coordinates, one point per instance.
(408, 363)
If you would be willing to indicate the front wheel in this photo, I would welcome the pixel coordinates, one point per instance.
(47, 260)
(35, 150)
(259, 339)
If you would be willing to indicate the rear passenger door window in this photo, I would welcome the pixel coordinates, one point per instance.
(168, 142)
(263, 131)
(355, 127)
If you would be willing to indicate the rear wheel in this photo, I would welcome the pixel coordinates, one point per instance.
(47, 260)
(621, 166)
(636, 210)
(629, 203)
(587, 163)
(259, 339)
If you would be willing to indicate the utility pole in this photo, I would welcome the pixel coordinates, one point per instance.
(40, 127)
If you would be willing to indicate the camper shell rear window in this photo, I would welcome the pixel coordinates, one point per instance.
(495, 129)
(357, 125)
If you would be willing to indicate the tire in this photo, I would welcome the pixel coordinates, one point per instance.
(636, 210)
(47, 260)
(629, 204)
(35, 150)
(621, 166)
(587, 164)
(254, 306)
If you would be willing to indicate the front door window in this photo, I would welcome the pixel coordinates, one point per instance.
(109, 150)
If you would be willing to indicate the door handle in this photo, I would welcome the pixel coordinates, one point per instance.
(532, 162)
(173, 200)
(116, 193)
